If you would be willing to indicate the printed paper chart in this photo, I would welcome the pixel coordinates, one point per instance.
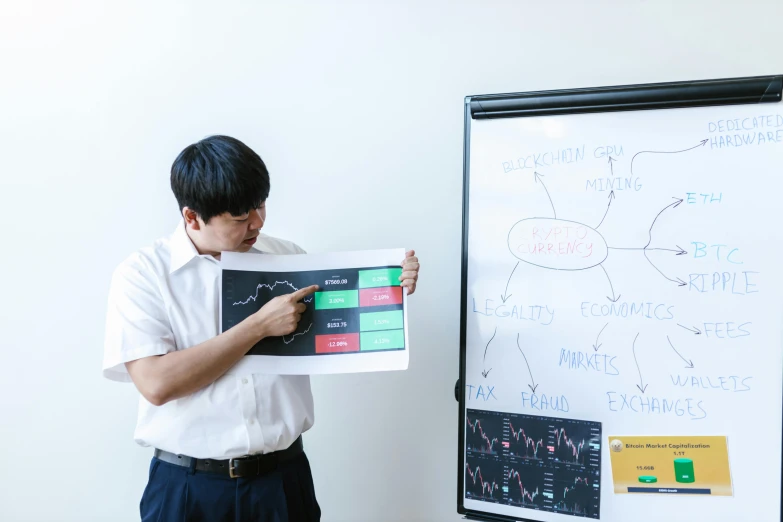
(357, 311)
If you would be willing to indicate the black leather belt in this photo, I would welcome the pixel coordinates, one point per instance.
(248, 466)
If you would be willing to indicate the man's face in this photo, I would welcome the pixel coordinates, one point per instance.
(227, 233)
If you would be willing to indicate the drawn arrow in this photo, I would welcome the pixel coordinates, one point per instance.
(539, 179)
(613, 298)
(506, 295)
(534, 385)
(596, 346)
(486, 372)
(678, 251)
(676, 204)
(642, 387)
(611, 197)
(611, 167)
(688, 362)
(701, 144)
(693, 330)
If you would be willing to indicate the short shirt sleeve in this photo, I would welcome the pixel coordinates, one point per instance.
(137, 325)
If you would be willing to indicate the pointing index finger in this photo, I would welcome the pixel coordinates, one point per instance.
(304, 292)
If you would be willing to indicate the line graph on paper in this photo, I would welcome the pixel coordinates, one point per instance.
(266, 291)
(484, 433)
(354, 310)
(289, 340)
(244, 293)
(271, 288)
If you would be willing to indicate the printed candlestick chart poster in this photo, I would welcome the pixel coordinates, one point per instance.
(621, 316)
(356, 321)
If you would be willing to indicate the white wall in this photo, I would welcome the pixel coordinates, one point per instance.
(348, 103)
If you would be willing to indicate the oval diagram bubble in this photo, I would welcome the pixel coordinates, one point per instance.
(557, 244)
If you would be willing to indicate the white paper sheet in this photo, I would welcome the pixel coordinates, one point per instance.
(355, 322)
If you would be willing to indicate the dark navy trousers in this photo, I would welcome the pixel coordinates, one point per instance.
(175, 493)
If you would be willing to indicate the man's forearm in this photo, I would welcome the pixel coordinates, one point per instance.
(177, 374)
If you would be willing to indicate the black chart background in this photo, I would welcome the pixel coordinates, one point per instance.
(239, 285)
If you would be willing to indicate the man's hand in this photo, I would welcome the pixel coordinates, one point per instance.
(281, 315)
(410, 272)
(163, 378)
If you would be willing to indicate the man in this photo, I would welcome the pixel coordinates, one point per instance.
(227, 447)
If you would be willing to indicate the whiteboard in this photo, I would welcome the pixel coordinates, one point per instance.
(622, 285)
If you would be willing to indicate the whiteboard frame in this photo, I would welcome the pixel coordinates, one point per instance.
(652, 96)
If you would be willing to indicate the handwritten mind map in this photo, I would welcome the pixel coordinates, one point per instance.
(357, 311)
(622, 271)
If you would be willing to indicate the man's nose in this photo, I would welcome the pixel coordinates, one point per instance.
(256, 221)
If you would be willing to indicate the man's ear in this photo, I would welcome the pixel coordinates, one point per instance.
(191, 218)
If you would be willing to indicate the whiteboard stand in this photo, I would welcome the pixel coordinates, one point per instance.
(585, 337)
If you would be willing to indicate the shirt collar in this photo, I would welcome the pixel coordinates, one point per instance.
(182, 248)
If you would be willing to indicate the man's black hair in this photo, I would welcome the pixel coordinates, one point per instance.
(219, 174)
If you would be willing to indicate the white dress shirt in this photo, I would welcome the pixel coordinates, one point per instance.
(165, 298)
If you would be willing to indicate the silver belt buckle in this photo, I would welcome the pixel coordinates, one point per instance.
(231, 467)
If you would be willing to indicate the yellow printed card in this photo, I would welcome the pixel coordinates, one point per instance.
(670, 465)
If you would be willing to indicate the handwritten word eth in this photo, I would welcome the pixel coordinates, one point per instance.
(690, 198)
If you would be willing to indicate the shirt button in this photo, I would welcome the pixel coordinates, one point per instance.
(244, 381)
(252, 422)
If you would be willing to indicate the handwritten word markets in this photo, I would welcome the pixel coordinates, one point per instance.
(599, 362)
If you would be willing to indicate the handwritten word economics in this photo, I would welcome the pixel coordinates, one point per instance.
(662, 312)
